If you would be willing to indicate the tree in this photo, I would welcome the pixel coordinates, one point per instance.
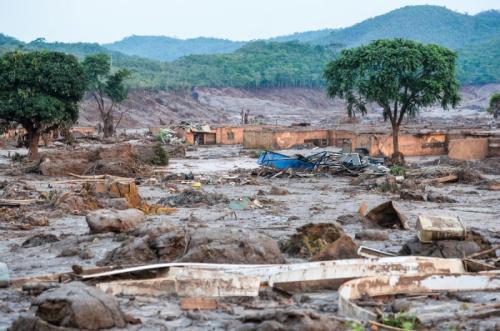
(494, 107)
(401, 76)
(102, 85)
(40, 91)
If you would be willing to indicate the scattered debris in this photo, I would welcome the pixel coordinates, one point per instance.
(192, 197)
(420, 284)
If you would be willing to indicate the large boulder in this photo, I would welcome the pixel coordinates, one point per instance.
(105, 220)
(76, 305)
(202, 245)
(211, 245)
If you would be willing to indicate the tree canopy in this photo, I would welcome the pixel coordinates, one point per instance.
(102, 84)
(40, 90)
(401, 76)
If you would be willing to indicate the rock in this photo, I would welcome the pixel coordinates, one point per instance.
(341, 249)
(118, 203)
(371, 234)
(104, 220)
(72, 251)
(412, 195)
(278, 191)
(211, 245)
(132, 251)
(86, 254)
(441, 248)
(350, 219)
(311, 239)
(39, 240)
(76, 305)
(439, 198)
(293, 320)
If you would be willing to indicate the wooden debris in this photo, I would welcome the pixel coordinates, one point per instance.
(372, 253)
(198, 303)
(17, 203)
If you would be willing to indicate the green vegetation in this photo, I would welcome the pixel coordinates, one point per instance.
(160, 155)
(294, 60)
(427, 24)
(40, 91)
(101, 84)
(168, 49)
(398, 170)
(401, 320)
(494, 107)
(401, 76)
(479, 62)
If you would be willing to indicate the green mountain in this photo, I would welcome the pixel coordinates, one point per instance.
(294, 60)
(428, 24)
(479, 62)
(168, 49)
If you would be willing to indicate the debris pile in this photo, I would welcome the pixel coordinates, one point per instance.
(193, 197)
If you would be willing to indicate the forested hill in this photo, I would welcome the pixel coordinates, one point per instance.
(284, 62)
(428, 24)
(168, 49)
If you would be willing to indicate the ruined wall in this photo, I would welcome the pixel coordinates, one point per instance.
(258, 139)
(468, 149)
(231, 135)
(287, 139)
(410, 145)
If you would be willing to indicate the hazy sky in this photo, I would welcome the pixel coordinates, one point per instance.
(109, 20)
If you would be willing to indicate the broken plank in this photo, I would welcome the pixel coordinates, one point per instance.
(196, 283)
(198, 303)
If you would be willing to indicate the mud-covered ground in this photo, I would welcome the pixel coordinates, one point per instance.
(318, 199)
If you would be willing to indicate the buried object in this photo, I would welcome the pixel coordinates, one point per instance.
(388, 215)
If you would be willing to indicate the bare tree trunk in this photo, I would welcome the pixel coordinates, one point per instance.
(395, 140)
(33, 138)
(109, 129)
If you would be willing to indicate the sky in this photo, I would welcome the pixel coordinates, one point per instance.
(106, 21)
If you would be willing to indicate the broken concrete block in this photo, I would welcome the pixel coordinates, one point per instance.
(104, 220)
(76, 305)
(432, 228)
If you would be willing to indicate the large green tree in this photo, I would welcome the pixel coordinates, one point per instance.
(401, 76)
(108, 89)
(40, 91)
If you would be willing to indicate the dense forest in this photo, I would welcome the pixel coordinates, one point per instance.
(295, 60)
(168, 49)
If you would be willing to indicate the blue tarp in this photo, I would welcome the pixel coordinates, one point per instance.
(281, 161)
